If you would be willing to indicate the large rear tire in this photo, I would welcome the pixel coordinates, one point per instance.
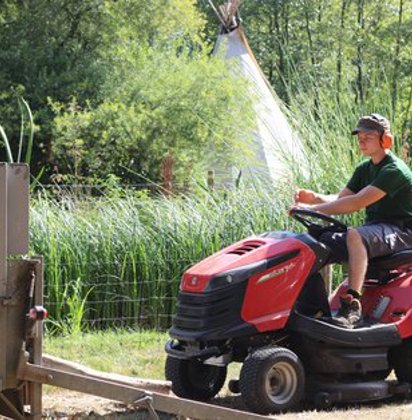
(401, 359)
(272, 380)
(193, 379)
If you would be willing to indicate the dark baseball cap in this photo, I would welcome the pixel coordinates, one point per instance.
(373, 122)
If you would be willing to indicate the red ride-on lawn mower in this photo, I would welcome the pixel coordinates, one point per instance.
(262, 302)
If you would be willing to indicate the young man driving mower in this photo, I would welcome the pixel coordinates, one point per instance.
(383, 186)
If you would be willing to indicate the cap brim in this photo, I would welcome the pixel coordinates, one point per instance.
(357, 130)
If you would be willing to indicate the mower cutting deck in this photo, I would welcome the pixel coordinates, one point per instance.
(262, 302)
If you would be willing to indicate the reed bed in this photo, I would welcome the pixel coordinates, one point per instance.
(118, 262)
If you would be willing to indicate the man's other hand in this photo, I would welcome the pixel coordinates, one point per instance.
(300, 206)
(303, 196)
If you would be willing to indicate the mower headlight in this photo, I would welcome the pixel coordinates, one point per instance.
(221, 281)
(235, 276)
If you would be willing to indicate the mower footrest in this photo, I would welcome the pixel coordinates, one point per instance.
(324, 394)
(379, 335)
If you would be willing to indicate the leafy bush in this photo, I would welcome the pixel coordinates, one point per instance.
(189, 106)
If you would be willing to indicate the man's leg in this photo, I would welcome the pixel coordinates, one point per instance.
(350, 312)
(358, 260)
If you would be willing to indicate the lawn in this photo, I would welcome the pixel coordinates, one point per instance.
(142, 354)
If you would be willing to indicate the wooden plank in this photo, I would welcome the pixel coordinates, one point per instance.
(53, 362)
(199, 410)
(18, 206)
(130, 395)
(80, 383)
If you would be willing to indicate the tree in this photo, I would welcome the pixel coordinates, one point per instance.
(174, 103)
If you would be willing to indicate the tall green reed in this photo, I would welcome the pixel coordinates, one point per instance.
(24, 111)
(127, 255)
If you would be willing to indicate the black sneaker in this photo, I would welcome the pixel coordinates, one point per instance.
(349, 314)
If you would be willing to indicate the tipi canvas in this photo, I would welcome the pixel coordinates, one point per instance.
(274, 145)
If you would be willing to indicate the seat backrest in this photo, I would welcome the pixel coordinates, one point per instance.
(390, 266)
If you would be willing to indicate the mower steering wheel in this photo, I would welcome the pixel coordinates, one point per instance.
(304, 216)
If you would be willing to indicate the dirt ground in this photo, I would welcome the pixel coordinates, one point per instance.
(72, 405)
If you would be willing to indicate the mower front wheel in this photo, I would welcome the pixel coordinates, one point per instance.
(272, 380)
(193, 379)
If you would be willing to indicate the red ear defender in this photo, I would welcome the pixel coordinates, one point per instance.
(387, 139)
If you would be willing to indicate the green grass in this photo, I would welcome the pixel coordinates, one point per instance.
(130, 353)
(141, 354)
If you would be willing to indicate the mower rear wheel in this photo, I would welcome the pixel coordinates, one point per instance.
(193, 379)
(272, 380)
(401, 359)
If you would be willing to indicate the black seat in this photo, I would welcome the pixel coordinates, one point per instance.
(381, 268)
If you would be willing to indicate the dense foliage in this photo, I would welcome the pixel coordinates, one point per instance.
(116, 85)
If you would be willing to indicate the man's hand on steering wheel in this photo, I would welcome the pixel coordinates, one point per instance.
(311, 218)
(298, 206)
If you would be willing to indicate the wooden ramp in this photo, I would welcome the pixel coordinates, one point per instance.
(128, 390)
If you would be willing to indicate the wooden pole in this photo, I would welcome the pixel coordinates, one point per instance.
(167, 172)
(211, 180)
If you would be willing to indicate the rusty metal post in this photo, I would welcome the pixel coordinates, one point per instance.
(36, 389)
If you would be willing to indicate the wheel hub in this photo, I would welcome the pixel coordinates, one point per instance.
(281, 382)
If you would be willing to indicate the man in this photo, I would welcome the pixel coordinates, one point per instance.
(382, 185)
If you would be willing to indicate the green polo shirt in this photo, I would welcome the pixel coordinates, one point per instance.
(392, 176)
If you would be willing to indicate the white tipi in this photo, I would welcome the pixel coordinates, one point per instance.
(274, 142)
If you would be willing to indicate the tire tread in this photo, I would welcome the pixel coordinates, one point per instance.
(176, 371)
(250, 382)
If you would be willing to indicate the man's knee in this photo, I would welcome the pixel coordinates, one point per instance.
(353, 238)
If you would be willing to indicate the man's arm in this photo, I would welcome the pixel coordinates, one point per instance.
(350, 203)
(344, 193)
(311, 197)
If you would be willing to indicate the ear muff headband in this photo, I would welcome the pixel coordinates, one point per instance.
(387, 139)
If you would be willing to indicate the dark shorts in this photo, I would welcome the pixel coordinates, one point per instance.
(380, 239)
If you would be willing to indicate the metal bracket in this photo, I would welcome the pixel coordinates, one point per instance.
(147, 402)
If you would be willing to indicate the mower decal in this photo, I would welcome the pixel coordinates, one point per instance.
(270, 295)
(276, 273)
